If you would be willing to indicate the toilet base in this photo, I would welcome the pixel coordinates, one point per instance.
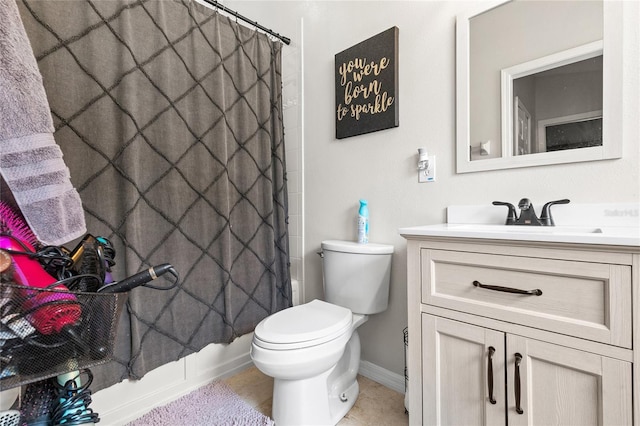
(301, 402)
(323, 399)
(340, 407)
(305, 402)
(342, 384)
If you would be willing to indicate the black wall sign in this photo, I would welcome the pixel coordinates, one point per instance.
(367, 85)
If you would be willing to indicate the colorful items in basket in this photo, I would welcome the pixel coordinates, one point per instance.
(57, 306)
(42, 323)
(48, 312)
(58, 313)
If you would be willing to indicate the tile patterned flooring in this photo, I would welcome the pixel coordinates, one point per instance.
(376, 404)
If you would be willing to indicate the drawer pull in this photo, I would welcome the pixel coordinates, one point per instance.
(517, 383)
(534, 292)
(490, 374)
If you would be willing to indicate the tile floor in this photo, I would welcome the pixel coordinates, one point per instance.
(376, 404)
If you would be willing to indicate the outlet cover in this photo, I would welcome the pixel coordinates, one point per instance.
(428, 175)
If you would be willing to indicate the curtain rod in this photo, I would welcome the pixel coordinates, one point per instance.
(217, 5)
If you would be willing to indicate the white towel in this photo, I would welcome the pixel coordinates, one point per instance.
(30, 161)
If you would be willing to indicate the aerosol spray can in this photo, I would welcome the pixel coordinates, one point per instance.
(363, 223)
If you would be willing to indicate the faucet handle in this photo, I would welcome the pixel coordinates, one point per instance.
(525, 204)
(511, 215)
(545, 216)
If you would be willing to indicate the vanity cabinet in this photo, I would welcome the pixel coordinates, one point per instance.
(466, 368)
(507, 332)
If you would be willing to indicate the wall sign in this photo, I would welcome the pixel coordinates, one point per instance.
(367, 86)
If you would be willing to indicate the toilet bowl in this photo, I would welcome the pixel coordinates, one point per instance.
(313, 350)
(301, 362)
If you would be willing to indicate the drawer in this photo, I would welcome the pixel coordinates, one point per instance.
(589, 300)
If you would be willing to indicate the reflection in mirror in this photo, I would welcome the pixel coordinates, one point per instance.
(553, 103)
(562, 102)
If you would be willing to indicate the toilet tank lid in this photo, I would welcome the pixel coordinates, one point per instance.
(353, 247)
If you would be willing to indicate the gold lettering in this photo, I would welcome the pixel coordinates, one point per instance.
(342, 111)
(352, 92)
(359, 67)
(363, 98)
(381, 104)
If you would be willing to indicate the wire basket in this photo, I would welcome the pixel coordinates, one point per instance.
(45, 333)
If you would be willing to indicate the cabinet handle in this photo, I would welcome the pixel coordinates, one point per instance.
(517, 383)
(490, 374)
(534, 292)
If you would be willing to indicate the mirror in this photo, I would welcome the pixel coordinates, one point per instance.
(536, 85)
(561, 94)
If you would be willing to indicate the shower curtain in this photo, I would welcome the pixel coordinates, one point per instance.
(169, 116)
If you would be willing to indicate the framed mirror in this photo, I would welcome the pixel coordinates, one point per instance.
(538, 82)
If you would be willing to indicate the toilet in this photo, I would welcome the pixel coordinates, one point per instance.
(312, 350)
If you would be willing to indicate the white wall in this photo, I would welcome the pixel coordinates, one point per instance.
(381, 166)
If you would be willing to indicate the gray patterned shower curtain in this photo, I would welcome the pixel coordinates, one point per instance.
(169, 116)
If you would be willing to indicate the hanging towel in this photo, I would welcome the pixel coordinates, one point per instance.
(30, 161)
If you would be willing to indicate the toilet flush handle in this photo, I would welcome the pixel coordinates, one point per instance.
(320, 253)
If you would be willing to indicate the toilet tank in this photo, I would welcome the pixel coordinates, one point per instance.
(357, 276)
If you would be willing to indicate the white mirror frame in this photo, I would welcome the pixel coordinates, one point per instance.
(612, 102)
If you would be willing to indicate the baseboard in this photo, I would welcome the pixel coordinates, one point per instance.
(150, 392)
(127, 401)
(383, 376)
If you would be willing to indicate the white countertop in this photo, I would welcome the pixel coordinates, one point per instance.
(603, 224)
(607, 236)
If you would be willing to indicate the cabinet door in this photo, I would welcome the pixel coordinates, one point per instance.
(563, 386)
(463, 369)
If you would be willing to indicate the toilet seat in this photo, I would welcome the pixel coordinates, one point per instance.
(303, 326)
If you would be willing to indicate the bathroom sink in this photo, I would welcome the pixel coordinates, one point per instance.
(531, 229)
(626, 236)
(602, 224)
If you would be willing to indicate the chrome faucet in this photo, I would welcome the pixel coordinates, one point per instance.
(528, 213)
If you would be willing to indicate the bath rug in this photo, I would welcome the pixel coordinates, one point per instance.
(212, 404)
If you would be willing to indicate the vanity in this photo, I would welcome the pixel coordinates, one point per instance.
(525, 325)
(531, 325)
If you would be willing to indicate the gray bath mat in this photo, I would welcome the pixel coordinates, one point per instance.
(213, 404)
